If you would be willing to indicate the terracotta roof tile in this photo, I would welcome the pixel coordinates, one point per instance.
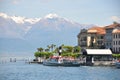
(97, 30)
(112, 26)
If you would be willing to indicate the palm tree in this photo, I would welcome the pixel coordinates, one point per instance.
(48, 46)
(52, 46)
(56, 49)
(47, 50)
(40, 49)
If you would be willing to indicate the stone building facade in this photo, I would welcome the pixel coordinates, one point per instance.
(95, 37)
(100, 37)
(91, 38)
(82, 38)
(116, 40)
(108, 36)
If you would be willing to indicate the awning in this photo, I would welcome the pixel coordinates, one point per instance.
(97, 52)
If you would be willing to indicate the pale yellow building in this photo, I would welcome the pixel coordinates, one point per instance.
(95, 37)
(91, 38)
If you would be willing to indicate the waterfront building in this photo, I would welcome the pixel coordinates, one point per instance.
(82, 38)
(98, 56)
(100, 38)
(108, 35)
(116, 40)
(91, 38)
(95, 38)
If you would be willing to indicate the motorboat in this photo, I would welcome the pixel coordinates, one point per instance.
(60, 61)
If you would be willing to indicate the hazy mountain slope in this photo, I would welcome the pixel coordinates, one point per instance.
(26, 34)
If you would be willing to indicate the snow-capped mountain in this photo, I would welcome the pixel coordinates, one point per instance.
(39, 32)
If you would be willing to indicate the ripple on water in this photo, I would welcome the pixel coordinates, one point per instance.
(23, 71)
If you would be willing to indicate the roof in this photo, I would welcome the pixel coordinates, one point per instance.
(98, 52)
(113, 26)
(116, 31)
(97, 30)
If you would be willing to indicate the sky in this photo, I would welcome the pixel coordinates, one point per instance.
(99, 12)
(17, 16)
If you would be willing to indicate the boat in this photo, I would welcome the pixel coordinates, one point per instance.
(60, 61)
(117, 64)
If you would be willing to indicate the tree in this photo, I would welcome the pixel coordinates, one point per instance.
(47, 50)
(36, 54)
(48, 46)
(67, 49)
(70, 55)
(116, 56)
(56, 50)
(115, 22)
(52, 46)
(48, 54)
(77, 49)
(43, 54)
(40, 49)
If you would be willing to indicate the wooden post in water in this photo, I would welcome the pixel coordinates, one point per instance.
(10, 59)
(15, 60)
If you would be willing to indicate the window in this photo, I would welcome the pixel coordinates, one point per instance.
(107, 44)
(116, 42)
(85, 38)
(116, 49)
(101, 37)
(110, 44)
(116, 35)
(119, 49)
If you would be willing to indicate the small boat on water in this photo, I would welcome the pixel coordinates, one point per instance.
(59, 61)
(117, 64)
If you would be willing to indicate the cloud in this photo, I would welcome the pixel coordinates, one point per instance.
(115, 18)
(16, 1)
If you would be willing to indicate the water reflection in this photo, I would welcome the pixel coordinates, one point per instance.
(23, 71)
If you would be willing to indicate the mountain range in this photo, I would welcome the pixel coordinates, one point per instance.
(21, 34)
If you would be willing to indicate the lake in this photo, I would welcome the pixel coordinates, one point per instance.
(23, 71)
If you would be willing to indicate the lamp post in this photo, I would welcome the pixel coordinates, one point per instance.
(60, 50)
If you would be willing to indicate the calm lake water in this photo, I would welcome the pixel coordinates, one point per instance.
(23, 71)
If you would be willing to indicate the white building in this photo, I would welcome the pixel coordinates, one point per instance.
(108, 36)
(98, 56)
(116, 40)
